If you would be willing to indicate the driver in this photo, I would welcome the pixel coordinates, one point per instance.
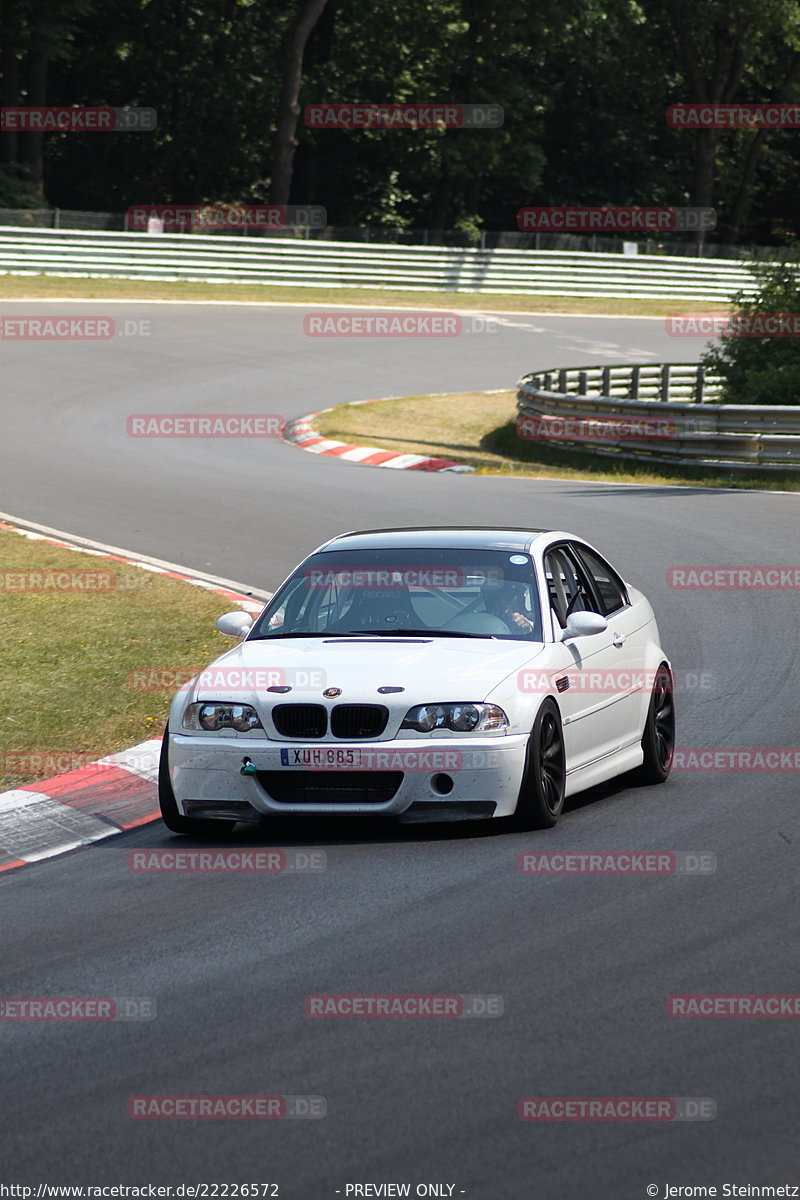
(507, 602)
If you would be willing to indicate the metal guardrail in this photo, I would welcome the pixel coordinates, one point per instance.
(299, 263)
(665, 412)
(651, 381)
(491, 239)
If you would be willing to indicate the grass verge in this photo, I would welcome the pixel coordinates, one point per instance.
(66, 688)
(43, 287)
(478, 428)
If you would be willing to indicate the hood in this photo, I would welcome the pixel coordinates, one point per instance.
(427, 669)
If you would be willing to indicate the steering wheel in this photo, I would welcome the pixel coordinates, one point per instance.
(387, 620)
(399, 618)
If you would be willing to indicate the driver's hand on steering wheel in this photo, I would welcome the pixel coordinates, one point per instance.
(518, 619)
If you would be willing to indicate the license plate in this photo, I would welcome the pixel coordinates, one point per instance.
(321, 756)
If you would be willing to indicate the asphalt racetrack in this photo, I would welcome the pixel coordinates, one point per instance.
(584, 964)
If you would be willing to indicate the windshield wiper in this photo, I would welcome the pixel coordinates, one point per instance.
(417, 632)
(429, 633)
(274, 637)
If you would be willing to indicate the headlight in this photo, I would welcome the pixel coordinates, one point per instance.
(426, 717)
(210, 717)
(464, 717)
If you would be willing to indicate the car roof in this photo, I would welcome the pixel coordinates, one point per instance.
(469, 537)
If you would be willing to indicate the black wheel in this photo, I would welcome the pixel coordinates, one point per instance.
(174, 820)
(541, 797)
(658, 739)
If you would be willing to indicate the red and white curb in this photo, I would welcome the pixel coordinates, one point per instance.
(301, 433)
(53, 816)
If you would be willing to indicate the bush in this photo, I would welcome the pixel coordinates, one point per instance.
(17, 189)
(762, 370)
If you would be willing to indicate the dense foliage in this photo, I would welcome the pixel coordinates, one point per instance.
(763, 370)
(584, 87)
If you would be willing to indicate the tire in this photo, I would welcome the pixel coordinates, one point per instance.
(658, 739)
(541, 796)
(192, 826)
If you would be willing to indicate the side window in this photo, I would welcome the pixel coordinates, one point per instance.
(309, 608)
(567, 591)
(607, 583)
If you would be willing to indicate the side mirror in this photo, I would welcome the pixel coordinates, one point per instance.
(583, 624)
(234, 624)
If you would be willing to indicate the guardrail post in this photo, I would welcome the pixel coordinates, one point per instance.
(635, 373)
(732, 435)
(605, 386)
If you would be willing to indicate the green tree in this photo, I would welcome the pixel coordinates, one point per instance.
(725, 46)
(762, 370)
(34, 36)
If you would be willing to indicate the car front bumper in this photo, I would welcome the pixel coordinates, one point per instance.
(438, 778)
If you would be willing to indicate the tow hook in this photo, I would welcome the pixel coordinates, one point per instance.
(247, 767)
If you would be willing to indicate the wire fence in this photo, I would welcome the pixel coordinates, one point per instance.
(64, 218)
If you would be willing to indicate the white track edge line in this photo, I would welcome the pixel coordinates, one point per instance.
(103, 548)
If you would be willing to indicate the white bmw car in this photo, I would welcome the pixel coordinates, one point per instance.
(425, 674)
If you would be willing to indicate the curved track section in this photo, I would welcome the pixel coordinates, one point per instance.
(585, 964)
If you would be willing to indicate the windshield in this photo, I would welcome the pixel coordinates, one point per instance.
(448, 592)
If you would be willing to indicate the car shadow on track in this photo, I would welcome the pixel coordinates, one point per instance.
(349, 830)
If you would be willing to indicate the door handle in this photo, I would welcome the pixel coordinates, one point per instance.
(618, 640)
